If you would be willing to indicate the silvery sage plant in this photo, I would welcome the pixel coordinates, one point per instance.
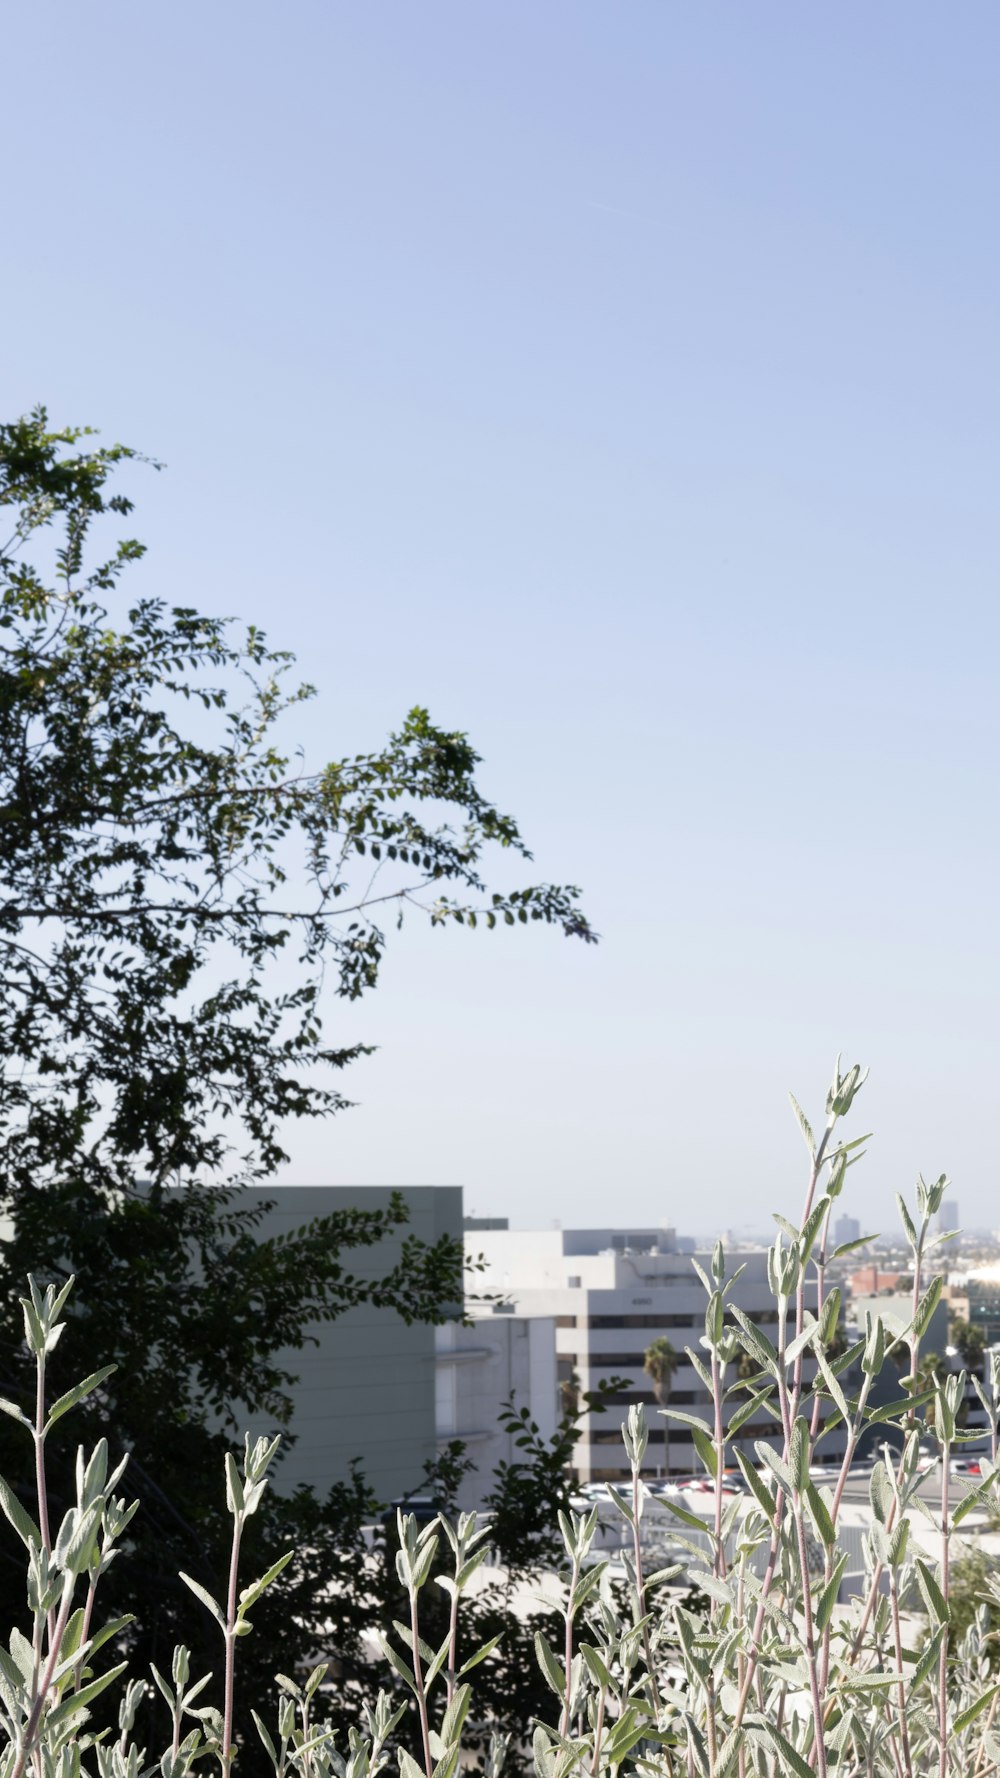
(767, 1669)
(48, 1679)
(778, 1673)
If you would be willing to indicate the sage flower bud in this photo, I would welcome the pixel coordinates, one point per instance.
(842, 1092)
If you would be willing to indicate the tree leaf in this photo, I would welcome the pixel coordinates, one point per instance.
(201, 1593)
(69, 1706)
(928, 1660)
(804, 1126)
(823, 1609)
(775, 1464)
(550, 1666)
(77, 1394)
(251, 1594)
(927, 1305)
(21, 1520)
(821, 1516)
(11, 1408)
(967, 1716)
(397, 1663)
(933, 1596)
(906, 1220)
(705, 1449)
(594, 1660)
(765, 1499)
(480, 1655)
(852, 1246)
(783, 1747)
(682, 1513)
(746, 1411)
(895, 1410)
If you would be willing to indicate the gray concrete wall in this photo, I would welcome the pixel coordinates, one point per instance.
(367, 1389)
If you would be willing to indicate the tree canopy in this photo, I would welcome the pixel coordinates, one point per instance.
(181, 900)
(161, 856)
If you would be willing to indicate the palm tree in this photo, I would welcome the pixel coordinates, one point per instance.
(660, 1361)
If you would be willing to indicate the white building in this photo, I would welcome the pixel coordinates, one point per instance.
(478, 1369)
(611, 1293)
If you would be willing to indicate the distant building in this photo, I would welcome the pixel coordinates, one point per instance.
(477, 1370)
(956, 1297)
(873, 1281)
(366, 1389)
(983, 1294)
(948, 1216)
(610, 1294)
(896, 1311)
(845, 1229)
(974, 1296)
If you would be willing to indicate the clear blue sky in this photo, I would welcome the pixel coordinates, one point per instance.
(621, 382)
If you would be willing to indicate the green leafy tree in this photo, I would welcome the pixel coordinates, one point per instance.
(181, 899)
(660, 1363)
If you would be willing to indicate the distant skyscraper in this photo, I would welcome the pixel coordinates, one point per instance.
(948, 1216)
(846, 1228)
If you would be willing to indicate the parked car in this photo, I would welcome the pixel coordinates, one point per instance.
(970, 1466)
(702, 1485)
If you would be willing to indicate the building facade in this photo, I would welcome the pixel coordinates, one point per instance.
(611, 1293)
(845, 1229)
(366, 1382)
(479, 1369)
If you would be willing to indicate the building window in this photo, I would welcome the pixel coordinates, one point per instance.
(690, 1322)
(655, 1438)
(617, 1360)
(626, 1398)
(574, 1282)
(446, 1399)
(565, 1320)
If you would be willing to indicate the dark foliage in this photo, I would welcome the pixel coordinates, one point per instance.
(178, 894)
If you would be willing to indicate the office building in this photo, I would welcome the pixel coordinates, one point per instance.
(478, 1370)
(366, 1387)
(611, 1293)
